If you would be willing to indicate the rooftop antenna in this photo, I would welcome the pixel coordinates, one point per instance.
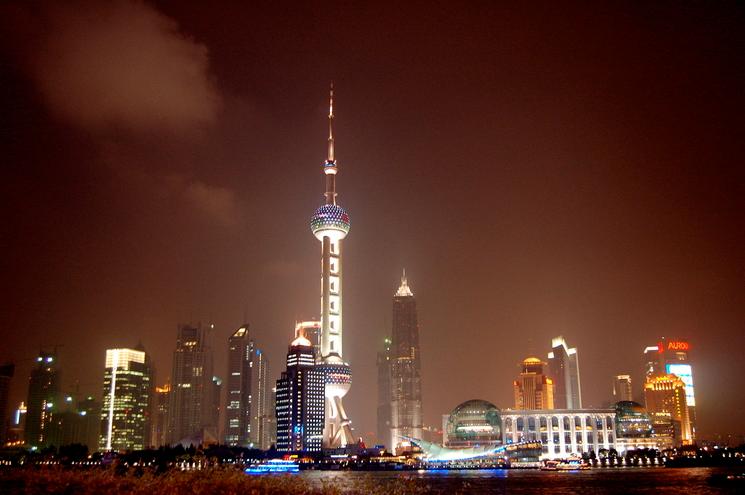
(331, 124)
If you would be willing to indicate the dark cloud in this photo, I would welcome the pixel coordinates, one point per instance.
(124, 64)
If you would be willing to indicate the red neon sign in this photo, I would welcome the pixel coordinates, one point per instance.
(677, 345)
(673, 345)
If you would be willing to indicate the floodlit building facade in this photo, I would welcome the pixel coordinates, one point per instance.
(567, 432)
(533, 389)
(477, 428)
(238, 403)
(672, 356)
(127, 389)
(666, 394)
(300, 400)
(563, 362)
(405, 363)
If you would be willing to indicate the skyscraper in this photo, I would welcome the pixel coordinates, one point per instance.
(43, 396)
(6, 373)
(384, 393)
(238, 403)
(300, 400)
(127, 389)
(259, 414)
(533, 389)
(89, 423)
(406, 381)
(563, 364)
(190, 409)
(330, 225)
(159, 415)
(666, 393)
(622, 390)
(312, 331)
(652, 361)
(672, 356)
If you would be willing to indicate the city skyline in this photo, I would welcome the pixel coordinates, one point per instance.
(528, 192)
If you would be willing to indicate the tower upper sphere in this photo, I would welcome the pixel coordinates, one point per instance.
(330, 221)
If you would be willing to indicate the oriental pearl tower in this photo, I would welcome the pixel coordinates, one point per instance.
(330, 225)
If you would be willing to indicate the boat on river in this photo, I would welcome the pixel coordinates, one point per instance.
(273, 466)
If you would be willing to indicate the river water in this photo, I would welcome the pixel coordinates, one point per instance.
(658, 480)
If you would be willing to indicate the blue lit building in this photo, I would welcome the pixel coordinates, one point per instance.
(300, 400)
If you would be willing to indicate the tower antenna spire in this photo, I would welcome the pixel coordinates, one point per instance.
(331, 123)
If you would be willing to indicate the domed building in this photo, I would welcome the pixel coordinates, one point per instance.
(473, 423)
(632, 420)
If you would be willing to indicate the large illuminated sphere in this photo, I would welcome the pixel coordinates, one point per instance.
(632, 420)
(474, 422)
(338, 379)
(330, 221)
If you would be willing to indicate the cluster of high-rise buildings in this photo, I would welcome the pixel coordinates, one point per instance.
(134, 413)
(549, 412)
(304, 410)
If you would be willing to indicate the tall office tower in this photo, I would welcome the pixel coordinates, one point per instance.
(330, 225)
(666, 394)
(312, 331)
(406, 381)
(622, 390)
(271, 413)
(563, 364)
(6, 373)
(190, 409)
(238, 402)
(673, 358)
(300, 400)
(259, 433)
(89, 423)
(216, 408)
(15, 433)
(77, 422)
(652, 361)
(159, 415)
(43, 396)
(533, 389)
(127, 389)
(384, 393)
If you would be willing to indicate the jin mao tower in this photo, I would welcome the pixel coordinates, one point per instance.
(406, 381)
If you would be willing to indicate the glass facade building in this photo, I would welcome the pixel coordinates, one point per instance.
(563, 362)
(300, 400)
(473, 423)
(238, 403)
(127, 389)
(632, 420)
(191, 407)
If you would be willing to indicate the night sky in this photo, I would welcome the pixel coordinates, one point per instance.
(538, 169)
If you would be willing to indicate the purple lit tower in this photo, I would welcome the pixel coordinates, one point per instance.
(330, 225)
